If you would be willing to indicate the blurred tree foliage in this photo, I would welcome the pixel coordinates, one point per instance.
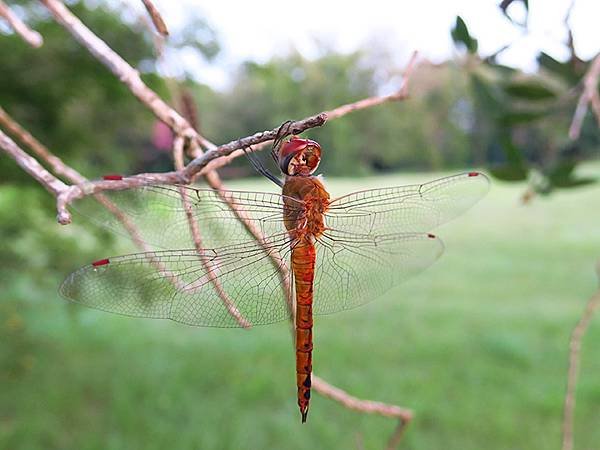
(67, 99)
(465, 112)
(428, 131)
(469, 111)
(522, 120)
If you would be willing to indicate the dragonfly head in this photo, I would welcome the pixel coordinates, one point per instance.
(299, 157)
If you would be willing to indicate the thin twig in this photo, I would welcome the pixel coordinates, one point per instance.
(400, 94)
(397, 435)
(356, 404)
(157, 19)
(295, 127)
(176, 177)
(403, 415)
(31, 166)
(574, 348)
(198, 244)
(588, 96)
(30, 36)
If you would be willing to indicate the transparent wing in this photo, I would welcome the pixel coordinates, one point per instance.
(231, 286)
(156, 215)
(354, 269)
(413, 208)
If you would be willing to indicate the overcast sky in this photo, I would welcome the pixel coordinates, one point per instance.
(259, 29)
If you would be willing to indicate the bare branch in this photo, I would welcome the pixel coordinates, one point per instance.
(30, 36)
(157, 20)
(198, 244)
(366, 406)
(574, 347)
(588, 96)
(296, 127)
(400, 94)
(31, 166)
(397, 435)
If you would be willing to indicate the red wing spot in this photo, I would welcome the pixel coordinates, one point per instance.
(473, 174)
(431, 236)
(112, 177)
(101, 262)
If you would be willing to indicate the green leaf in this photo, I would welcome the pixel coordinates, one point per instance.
(574, 182)
(562, 69)
(488, 95)
(509, 172)
(514, 155)
(515, 169)
(562, 171)
(502, 70)
(460, 35)
(562, 176)
(520, 117)
(529, 90)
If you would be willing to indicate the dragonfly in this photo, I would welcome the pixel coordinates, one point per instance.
(239, 258)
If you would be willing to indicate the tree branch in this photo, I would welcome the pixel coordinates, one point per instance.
(198, 244)
(31, 166)
(157, 20)
(30, 36)
(295, 127)
(574, 347)
(400, 94)
(356, 404)
(183, 176)
(588, 96)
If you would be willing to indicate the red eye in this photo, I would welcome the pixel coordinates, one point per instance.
(292, 147)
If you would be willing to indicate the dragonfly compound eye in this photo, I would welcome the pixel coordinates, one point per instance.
(299, 156)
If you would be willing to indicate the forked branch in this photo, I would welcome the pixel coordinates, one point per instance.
(31, 166)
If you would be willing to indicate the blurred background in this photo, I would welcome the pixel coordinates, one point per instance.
(477, 346)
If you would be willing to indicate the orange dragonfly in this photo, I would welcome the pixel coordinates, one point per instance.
(205, 267)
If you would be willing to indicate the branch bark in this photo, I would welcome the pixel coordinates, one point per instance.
(157, 19)
(589, 96)
(400, 94)
(198, 244)
(30, 36)
(574, 348)
(31, 166)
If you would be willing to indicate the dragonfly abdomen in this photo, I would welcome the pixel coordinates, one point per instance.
(303, 263)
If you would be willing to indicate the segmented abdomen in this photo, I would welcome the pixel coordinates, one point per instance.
(303, 263)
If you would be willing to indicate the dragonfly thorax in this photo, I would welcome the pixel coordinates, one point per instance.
(307, 219)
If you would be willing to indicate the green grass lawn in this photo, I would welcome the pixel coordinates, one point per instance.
(476, 346)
